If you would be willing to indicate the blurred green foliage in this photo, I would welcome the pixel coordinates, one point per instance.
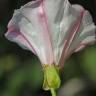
(88, 60)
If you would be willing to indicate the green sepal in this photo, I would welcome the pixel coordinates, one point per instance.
(51, 77)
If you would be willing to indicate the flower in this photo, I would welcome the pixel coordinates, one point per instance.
(52, 30)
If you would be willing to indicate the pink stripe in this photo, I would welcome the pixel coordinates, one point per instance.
(46, 22)
(84, 44)
(43, 20)
(70, 39)
(91, 42)
(33, 50)
(80, 48)
(11, 29)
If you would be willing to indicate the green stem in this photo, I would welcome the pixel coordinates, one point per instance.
(53, 92)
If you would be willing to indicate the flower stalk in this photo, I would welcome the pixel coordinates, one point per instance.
(53, 92)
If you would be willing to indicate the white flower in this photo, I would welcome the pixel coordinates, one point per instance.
(51, 29)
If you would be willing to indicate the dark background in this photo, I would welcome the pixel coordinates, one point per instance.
(21, 73)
